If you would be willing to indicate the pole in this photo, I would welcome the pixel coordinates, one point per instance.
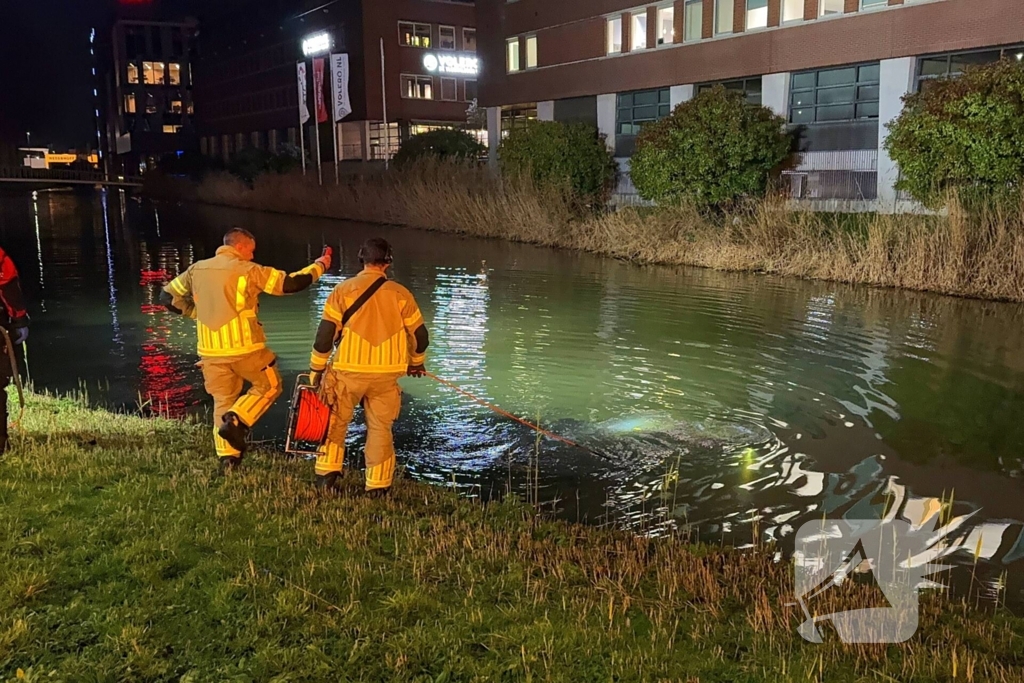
(302, 146)
(319, 170)
(337, 154)
(384, 100)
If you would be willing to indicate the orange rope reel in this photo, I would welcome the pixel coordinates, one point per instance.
(308, 420)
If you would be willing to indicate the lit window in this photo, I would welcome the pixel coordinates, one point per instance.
(693, 20)
(412, 34)
(666, 25)
(190, 109)
(723, 16)
(449, 90)
(531, 52)
(175, 72)
(153, 73)
(831, 7)
(757, 14)
(150, 103)
(469, 39)
(638, 31)
(792, 10)
(129, 104)
(175, 106)
(417, 87)
(512, 55)
(133, 73)
(172, 129)
(470, 91)
(446, 37)
(615, 35)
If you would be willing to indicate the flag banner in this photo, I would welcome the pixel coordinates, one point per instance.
(318, 89)
(303, 109)
(339, 83)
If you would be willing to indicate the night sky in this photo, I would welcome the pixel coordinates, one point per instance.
(45, 69)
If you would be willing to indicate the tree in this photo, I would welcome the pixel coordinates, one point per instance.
(710, 151)
(444, 143)
(963, 134)
(571, 154)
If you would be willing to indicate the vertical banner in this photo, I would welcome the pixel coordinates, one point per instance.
(303, 109)
(339, 82)
(318, 89)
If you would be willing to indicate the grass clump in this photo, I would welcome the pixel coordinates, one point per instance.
(125, 561)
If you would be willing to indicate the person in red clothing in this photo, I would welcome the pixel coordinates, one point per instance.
(14, 319)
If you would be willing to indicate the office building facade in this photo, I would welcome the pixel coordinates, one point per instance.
(248, 94)
(835, 70)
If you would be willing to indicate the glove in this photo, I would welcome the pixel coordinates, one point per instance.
(20, 336)
(325, 259)
(417, 371)
(314, 377)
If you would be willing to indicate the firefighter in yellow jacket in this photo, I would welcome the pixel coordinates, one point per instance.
(380, 337)
(221, 295)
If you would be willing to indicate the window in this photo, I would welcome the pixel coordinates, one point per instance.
(512, 55)
(174, 70)
(133, 73)
(417, 87)
(177, 43)
(470, 91)
(129, 104)
(844, 94)
(638, 30)
(153, 73)
(190, 108)
(411, 34)
(944, 66)
(446, 37)
(693, 20)
(449, 89)
(757, 14)
(830, 7)
(750, 87)
(634, 109)
(792, 10)
(666, 25)
(513, 117)
(531, 52)
(614, 35)
(150, 103)
(172, 129)
(469, 39)
(723, 16)
(384, 143)
(174, 106)
(868, 4)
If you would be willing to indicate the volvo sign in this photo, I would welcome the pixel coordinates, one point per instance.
(455, 64)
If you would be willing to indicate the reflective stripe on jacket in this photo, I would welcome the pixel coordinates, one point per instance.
(380, 337)
(225, 290)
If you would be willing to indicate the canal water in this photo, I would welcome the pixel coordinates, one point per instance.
(734, 406)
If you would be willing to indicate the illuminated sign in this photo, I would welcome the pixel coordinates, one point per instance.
(464, 65)
(316, 44)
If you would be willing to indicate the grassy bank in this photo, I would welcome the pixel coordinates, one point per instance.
(123, 560)
(979, 255)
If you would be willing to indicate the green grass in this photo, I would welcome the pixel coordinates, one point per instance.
(124, 560)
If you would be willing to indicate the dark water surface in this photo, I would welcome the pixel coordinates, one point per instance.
(739, 405)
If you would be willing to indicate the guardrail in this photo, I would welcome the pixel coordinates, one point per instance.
(24, 174)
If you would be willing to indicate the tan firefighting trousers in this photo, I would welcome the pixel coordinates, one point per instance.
(223, 378)
(381, 398)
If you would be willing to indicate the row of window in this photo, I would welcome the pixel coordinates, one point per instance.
(756, 17)
(155, 73)
(253, 103)
(173, 106)
(416, 34)
(416, 87)
(513, 56)
(140, 41)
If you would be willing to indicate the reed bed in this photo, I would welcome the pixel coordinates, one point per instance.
(976, 254)
(124, 560)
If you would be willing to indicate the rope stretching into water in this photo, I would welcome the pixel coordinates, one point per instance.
(14, 373)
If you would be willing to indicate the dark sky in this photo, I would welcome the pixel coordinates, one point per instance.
(45, 70)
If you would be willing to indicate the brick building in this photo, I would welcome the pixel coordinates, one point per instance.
(247, 94)
(836, 70)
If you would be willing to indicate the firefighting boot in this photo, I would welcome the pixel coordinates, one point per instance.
(234, 432)
(228, 464)
(328, 483)
(378, 494)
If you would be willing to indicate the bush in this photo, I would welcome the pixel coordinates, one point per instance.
(964, 134)
(710, 151)
(445, 144)
(571, 154)
(251, 162)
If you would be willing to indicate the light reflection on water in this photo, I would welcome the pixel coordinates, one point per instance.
(736, 406)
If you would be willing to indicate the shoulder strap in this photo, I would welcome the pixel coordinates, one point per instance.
(363, 298)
